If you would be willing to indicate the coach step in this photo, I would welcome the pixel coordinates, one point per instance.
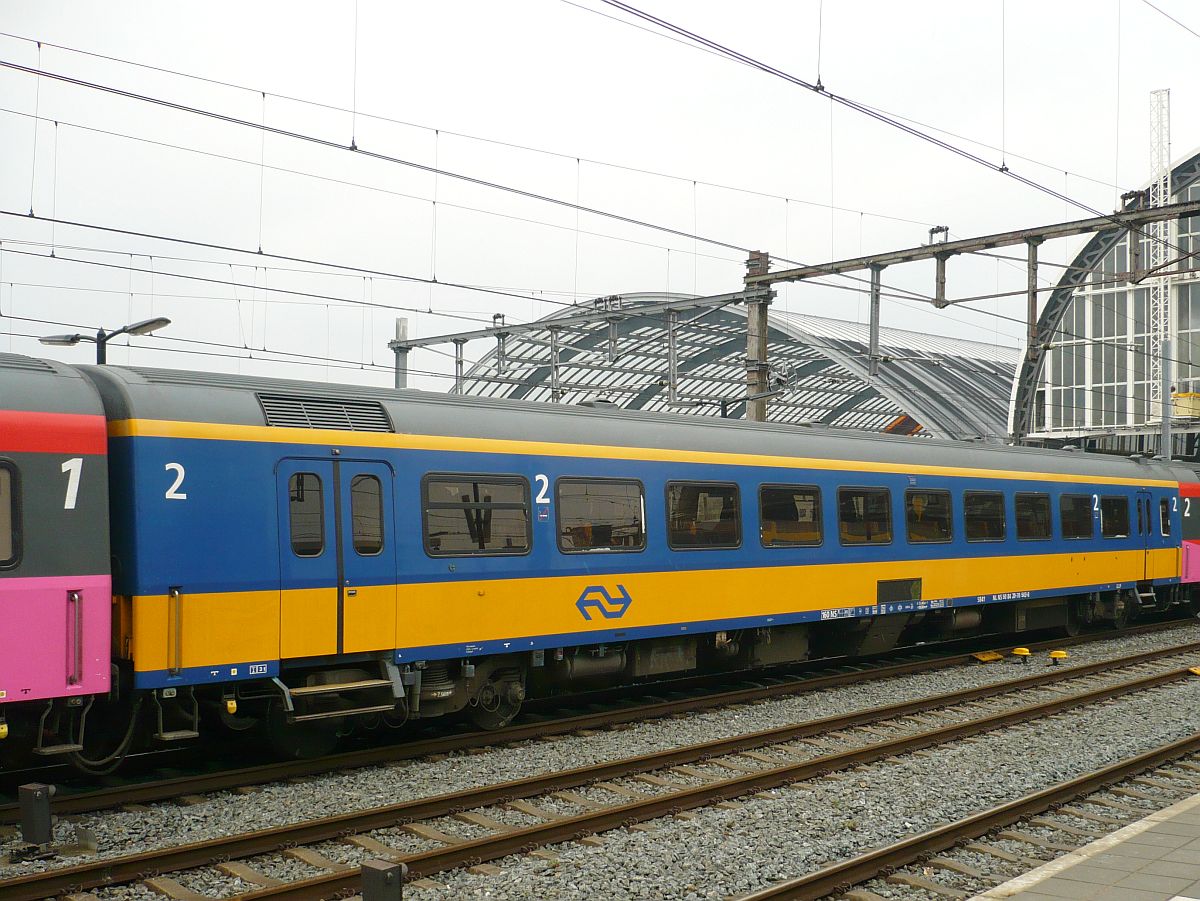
(339, 693)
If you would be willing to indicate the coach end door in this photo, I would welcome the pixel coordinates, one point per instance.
(1147, 524)
(337, 558)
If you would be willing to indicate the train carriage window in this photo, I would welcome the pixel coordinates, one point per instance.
(1075, 514)
(306, 514)
(703, 515)
(1164, 517)
(983, 515)
(10, 545)
(927, 516)
(1114, 517)
(476, 514)
(1033, 517)
(1141, 517)
(601, 515)
(864, 515)
(366, 515)
(789, 516)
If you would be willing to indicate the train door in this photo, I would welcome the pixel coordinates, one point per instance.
(368, 545)
(337, 557)
(1147, 524)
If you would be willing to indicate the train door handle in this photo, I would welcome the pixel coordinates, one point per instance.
(353, 592)
(75, 644)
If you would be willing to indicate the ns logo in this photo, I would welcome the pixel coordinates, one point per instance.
(597, 598)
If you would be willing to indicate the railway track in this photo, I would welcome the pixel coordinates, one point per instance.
(677, 780)
(984, 832)
(766, 687)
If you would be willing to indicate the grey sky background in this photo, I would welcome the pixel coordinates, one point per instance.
(565, 99)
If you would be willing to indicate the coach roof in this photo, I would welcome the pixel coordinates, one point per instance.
(173, 396)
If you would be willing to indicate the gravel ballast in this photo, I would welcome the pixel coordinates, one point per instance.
(720, 852)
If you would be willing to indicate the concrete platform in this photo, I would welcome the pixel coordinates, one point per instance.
(1154, 859)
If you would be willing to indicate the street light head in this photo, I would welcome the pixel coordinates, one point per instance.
(61, 340)
(147, 326)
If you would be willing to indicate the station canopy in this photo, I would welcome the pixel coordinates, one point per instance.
(926, 385)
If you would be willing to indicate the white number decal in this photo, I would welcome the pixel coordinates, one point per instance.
(1096, 503)
(544, 483)
(74, 467)
(1187, 506)
(173, 493)
(1175, 504)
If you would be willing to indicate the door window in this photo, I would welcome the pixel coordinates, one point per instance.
(9, 550)
(306, 514)
(366, 515)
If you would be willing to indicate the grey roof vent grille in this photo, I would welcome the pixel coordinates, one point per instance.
(15, 361)
(306, 412)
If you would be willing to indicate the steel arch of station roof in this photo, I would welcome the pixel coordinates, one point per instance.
(948, 387)
(1086, 261)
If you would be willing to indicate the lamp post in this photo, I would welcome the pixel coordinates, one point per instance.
(102, 337)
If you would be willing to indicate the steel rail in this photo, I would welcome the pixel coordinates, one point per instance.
(840, 876)
(321, 888)
(225, 780)
(123, 869)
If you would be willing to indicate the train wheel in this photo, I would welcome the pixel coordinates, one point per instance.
(498, 701)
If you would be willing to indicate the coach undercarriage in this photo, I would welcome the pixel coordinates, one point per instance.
(307, 710)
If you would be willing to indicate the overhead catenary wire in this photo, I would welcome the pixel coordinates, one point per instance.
(382, 157)
(873, 113)
(1163, 12)
(917, 122)
(350, 301)
(357, 113)
(347, 268)
(354, 184)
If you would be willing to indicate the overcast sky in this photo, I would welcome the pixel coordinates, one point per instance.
(564, 99)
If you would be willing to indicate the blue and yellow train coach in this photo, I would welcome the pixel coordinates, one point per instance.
(312, 553)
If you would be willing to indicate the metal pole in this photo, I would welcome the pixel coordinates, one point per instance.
(672, 358)
(1168, 402)
(1031, 291)
(101, 347)
(458, 366)
(939, 287)
(501, 343)
(756, 360)
(555, 384)
(401, 352)
(873, 349)
(757, 366)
